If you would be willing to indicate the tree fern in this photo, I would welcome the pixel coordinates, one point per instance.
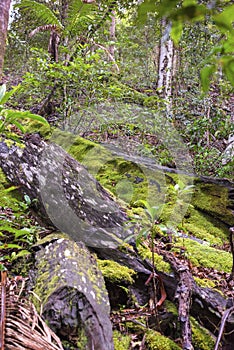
(80, 13)
(42, 13)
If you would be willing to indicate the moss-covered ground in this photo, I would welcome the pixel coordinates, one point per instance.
(198, 237)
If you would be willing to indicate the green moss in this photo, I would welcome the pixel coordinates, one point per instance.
(206, 256)
(121, 341)
(115, 272)
(160, 264)
(35, 126)
(204, 282)
(125, 179)
(157, 341)
(201, 338)
(213, 199)
(10, 197)
(206, 227)
(171, 307)
(130, 184)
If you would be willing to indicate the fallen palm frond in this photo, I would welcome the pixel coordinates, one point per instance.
(21, 327)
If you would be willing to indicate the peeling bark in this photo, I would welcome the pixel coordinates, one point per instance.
(165, 65)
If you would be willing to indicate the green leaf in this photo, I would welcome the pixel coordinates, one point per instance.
(224, 20)
(190, 13)
(22, 253)
(228, 67)
(9, 189)
(228, 46)
(206, 74)
(19, 126)
(39, 12)
(10, 246)
(148, 6)
(166, 7)
(7, 95)
(176, 31)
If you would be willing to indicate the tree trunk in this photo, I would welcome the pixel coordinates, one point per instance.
(4, 19)
(165, 65)
(112, 34)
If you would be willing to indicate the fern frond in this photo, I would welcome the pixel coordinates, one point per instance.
(42, 13)
(79, 13)
(103, 17)
(20, 325)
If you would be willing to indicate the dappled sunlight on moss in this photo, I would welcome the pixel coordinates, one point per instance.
(206, 227)
(35, 126)
(213, 199)
(115, 272)
(204, 255)
(204, 282)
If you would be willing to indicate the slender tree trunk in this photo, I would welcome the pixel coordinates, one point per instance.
(165, 65)
(112, 34)
(4, 19)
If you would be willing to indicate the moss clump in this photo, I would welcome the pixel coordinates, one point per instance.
(203, 255)
(121, 341)
(204, 282)
(36, 126)
(157, 341)
(10, 197)
(115, 272)
(201, 338)
(160, 264)
(125, 179)
(206, 227)
(171, 307)
(213, 199)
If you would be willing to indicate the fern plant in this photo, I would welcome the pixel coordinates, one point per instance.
(70, 24)
(65, 24)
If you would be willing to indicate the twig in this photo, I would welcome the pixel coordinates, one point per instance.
(231, 238)
(223, 322)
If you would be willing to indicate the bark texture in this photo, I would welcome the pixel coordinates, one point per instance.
(73, 293)
(4, 19)
(64, 194)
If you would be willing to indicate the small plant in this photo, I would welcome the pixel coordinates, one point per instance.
(148, 232)
(11, 119)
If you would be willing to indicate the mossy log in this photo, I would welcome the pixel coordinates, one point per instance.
(63, 193)
(67, 197)
(72, 293)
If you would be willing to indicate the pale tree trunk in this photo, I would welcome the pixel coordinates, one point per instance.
(4, 19)
(165, 65)
(112, 34)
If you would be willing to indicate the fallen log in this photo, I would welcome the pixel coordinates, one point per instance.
(63, 194)
(68, 198)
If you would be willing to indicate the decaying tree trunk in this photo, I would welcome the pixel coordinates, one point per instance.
(73, 293)
(64, 194)
(70, 199)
